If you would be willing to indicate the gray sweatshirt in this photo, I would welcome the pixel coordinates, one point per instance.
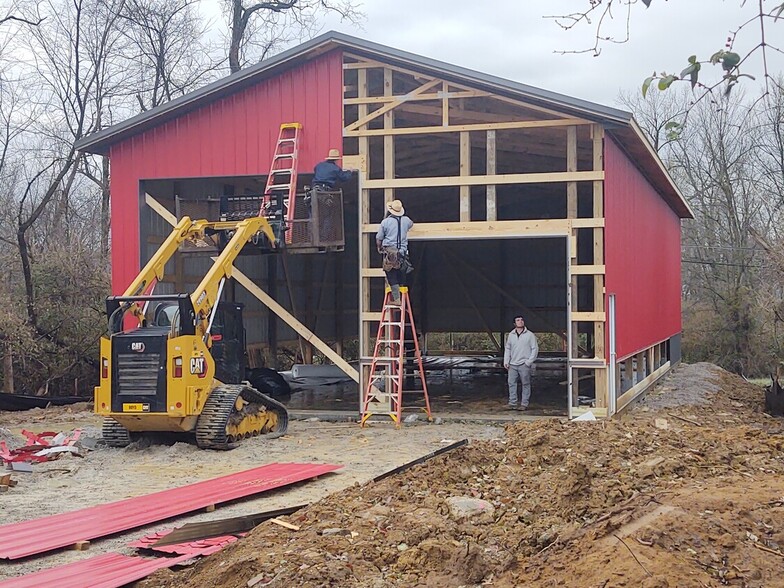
(520, 349)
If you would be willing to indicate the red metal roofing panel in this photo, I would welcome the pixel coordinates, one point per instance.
(642, 244)
(110, 570)
(47, 533)
(198, 547)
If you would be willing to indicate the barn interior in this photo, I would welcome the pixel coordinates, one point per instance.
(464, 292)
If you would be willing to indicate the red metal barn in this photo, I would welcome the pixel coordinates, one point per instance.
(525, 201)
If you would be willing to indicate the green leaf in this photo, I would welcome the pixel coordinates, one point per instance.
(693, 59)
(690, 69)
(645, 85)
(730, 60)
(779, 9)
(666, 82)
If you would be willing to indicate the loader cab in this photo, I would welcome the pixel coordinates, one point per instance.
(228, 337)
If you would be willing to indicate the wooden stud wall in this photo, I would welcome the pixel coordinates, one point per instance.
(465, 112)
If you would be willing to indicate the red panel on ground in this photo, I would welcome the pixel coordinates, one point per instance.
(47, 533)
(110, 570)
(642, 244)
(198, 547)
(233, 136)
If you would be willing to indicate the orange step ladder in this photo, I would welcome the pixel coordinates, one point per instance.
(384, 389)
(281, 190)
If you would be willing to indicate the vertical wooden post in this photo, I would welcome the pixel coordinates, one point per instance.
(445, 104)
(364, 219)
(492, 213)
(602, 381)
(465, 170)
(389, 140)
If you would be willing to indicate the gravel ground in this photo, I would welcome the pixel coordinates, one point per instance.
(110, 474)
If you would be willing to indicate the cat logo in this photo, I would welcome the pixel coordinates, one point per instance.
(198, 366)
(137, 346)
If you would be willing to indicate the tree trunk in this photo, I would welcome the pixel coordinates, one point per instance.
(8, 371)
(237, 32)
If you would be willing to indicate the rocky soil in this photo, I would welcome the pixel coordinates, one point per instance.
(686, 489)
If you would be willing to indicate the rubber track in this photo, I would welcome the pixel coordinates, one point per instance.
(114, 434)
(211, 426)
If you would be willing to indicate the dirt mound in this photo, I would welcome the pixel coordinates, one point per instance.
(687, 494)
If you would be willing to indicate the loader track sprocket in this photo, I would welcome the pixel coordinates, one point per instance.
(114, 434)
(237, 411)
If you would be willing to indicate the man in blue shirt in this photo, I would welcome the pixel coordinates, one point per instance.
(328, 173)
(392, 243)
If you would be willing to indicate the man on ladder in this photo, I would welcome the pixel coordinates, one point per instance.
(387, 371)
(392, 243)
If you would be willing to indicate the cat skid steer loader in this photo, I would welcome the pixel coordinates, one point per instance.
(177, 362)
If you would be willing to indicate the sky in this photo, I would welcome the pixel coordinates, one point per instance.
(513, 40)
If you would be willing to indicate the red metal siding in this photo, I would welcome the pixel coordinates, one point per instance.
(110, 570)
(47, 533)
(642, 256)
(234, 136)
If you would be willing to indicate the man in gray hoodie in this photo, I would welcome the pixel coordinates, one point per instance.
(520, 352)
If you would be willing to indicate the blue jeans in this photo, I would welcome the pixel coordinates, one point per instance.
(519, 373)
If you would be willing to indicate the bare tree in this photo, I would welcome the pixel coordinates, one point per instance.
(172, 55)
(600, 14)
(257, 29)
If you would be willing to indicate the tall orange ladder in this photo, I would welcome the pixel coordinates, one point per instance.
(384, 389)
(281, 187)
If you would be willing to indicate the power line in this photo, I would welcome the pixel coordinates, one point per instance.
(702, 262)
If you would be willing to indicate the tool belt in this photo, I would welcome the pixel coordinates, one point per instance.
(392, 259)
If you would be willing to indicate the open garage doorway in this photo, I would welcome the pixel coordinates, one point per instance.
(465, 294)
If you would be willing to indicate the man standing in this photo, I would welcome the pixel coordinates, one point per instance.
(520, 352)
(392, 243)
(328, 173)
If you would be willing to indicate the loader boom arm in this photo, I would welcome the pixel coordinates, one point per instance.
(204, 298)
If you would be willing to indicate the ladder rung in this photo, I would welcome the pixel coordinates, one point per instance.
(278, 187)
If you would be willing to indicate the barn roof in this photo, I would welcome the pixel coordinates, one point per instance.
(618, 123)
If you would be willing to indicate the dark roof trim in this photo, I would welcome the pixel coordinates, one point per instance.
(101, 141)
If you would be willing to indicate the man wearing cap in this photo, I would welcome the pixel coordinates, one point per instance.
(520, 352)
(328, 173)
(392, 243)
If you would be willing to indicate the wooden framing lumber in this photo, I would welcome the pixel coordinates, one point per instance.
(465, 170)
(494, 126)
(532, 178)
(640, 387)
(490, 230)
(390, 105)
(292, 321)
(160, 209)
(491, 171)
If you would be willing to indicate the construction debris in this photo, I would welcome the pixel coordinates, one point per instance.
(233, 526)
(683, 506)
(40, 447)
(40, 535)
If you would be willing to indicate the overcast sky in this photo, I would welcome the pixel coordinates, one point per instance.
(514, 41)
